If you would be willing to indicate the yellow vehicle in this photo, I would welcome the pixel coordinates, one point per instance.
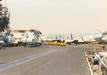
(56, 43)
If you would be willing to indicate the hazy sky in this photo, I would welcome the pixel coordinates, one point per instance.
(59, 16)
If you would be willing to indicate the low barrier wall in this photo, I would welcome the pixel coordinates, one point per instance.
(104, 68)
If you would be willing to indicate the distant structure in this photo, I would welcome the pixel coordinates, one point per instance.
(4, 17)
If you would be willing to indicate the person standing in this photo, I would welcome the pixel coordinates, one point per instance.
(97, 59)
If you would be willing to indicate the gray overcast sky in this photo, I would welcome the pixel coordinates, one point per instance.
(59, 16)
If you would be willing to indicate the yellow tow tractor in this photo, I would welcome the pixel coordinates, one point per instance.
(56, 43)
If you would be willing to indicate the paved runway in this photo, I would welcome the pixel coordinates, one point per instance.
(45, 60)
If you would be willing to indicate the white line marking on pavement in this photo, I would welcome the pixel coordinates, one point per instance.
(91, 72)
(23, 60)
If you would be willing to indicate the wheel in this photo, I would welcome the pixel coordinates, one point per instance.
(1, 46)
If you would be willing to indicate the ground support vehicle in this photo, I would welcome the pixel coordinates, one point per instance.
(56, 43)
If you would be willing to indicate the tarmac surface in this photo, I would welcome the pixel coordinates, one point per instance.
(45, 60)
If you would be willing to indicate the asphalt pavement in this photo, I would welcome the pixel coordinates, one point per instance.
(45, 60)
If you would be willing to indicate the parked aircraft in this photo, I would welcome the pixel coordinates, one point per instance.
(102, 38)
(69, 39)
(84, 39)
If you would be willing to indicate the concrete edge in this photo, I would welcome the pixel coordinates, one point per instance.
(89, 66)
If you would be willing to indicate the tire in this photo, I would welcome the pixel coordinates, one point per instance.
(1, 46)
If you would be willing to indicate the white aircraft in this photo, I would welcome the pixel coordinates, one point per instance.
(84, 39)
(102, 39)
(68, 39)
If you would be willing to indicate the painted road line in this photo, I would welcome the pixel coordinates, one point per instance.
(91, 72)
(23, 60)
